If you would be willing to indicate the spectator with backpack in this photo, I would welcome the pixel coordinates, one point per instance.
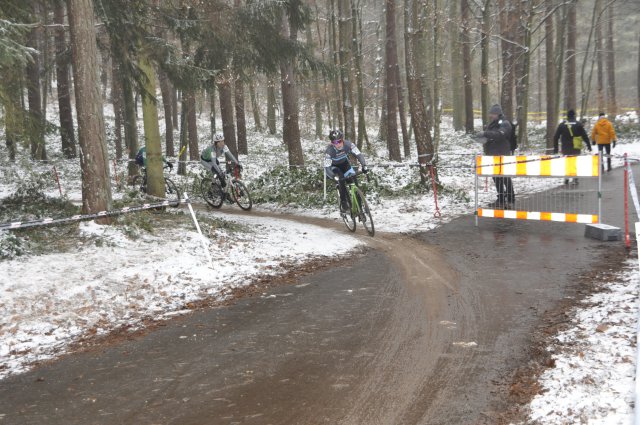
(572, 135)
(499, 139)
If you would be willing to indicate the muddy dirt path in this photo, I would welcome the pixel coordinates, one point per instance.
(424, 329)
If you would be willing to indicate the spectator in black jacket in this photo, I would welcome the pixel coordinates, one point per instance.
(565, 133)
(495, 139)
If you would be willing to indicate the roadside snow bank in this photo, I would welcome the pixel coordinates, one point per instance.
(593, 377)
(48, 301)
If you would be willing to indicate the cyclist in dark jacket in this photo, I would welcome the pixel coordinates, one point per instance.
(337, 165)
(495, 139)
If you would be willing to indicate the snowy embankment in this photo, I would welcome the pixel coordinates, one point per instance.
(592, 380)
(51, 300)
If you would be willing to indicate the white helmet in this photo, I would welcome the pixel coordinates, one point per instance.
(218, 137)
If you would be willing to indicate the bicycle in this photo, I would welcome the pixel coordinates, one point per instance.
(358, 207)
(234, 191)
(171, 190)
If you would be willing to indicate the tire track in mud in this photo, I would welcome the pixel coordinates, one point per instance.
(412, 366)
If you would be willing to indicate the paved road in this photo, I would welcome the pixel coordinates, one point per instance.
(420, 330)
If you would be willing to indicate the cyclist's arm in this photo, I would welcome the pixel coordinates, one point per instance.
(328, 166)
(229, 156)
(359, 156)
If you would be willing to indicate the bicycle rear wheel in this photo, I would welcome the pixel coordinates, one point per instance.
(348, 219)
(212, 192)
(171, 190)
(241, 195)
(364, 213)
(139, 183)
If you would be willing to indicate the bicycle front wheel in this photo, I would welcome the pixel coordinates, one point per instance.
(241, 195)
(139, 184)
(364, 213)
(171, 190)
(212, 193)
(347, 217)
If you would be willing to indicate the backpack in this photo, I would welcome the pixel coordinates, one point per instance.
(513, 137)
(576, 140)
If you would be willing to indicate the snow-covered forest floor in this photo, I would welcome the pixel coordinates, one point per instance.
(592, 377)
(61, 285)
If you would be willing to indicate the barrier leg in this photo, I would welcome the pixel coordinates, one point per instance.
(324, 196)
(627, 239)
(600, 187)
(205, 246)
(55, 173)
(476, 197)
(437, 213)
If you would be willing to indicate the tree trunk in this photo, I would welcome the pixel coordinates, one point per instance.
(508, 22)
(425, 56)
(67, 134)
(393, 143)
(403, 116)
(455, 47)
(96, 181)
(290, 110)
(184, 141)
(241, 122)
(524, 62)
(130, 126)
(116, 100)
(226, 113)
(357, 49)
(484, 62)
(336, 60)
(552, 113)
(255, 107)
(174, 108)
(271, 106)
(189, 100)
(466, 65)
(34, 93)
(345, 56)
(438, 48)
(153, 145)
(599, 62)
(419, 118)
(612, 104)
(560, 55)
(212, 113)
(570, 71)
(13, 112)
(165, 91)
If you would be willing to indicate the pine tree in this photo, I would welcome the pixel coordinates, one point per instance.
(96, 184)
(391, 57)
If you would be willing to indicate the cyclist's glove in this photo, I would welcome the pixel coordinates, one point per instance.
(239, 167)
(170, 165)
(365, 169)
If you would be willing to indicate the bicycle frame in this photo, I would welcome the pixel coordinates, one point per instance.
(355, 204)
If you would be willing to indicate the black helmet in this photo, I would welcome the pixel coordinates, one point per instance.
(336, 135)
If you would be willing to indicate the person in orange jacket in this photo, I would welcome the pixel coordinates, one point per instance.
(604, 135)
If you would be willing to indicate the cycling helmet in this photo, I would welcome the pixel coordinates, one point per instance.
(336, 135)
(218, 137)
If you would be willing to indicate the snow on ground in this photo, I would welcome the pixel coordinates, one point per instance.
(51, 300)
(592, 381)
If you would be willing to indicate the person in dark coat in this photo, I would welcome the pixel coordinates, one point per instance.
(495, 138)
(565, 133)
